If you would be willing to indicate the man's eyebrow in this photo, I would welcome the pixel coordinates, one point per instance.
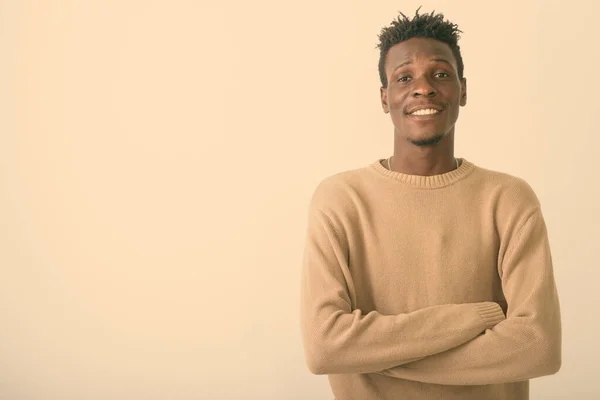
(442, 60)
(402, 64)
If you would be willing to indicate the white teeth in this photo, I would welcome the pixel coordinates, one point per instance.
(427, 111)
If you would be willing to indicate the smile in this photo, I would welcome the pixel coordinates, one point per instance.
(426, 111)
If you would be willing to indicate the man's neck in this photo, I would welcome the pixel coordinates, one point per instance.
(423, 166)
(430, 160)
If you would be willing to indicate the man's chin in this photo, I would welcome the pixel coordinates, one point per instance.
(425, 141)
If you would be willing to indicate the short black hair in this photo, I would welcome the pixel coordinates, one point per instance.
(430, 26)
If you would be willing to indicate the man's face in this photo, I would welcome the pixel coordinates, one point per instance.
(422, 75)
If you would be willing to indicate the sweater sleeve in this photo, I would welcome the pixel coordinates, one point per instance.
(527, 344)
(339, 339)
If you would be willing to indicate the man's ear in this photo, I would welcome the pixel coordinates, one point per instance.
(463, 92)
(384, 99)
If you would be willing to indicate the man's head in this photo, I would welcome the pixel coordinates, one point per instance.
(421, 68)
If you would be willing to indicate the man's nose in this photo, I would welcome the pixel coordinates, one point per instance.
(422, 87)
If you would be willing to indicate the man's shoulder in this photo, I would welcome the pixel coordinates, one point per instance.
(335, 191)
(506, 188)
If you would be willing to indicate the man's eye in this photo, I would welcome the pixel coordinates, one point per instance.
(403, 79)
(443, 73)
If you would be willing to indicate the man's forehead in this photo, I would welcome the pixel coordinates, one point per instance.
(420, 47)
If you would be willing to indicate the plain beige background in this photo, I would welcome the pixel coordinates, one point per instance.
(157, 159)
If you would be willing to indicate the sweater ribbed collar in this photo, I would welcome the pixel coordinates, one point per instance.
(426, 182)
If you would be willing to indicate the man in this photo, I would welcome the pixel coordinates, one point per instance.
(425, 276)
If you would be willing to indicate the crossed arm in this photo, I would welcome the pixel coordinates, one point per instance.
(453, 344)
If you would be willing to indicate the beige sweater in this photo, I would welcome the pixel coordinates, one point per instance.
(438, 287)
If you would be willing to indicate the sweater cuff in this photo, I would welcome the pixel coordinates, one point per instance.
(490, 312)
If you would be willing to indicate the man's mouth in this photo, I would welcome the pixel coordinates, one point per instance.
(425, 111)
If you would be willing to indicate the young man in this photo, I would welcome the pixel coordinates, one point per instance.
(425, 276)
